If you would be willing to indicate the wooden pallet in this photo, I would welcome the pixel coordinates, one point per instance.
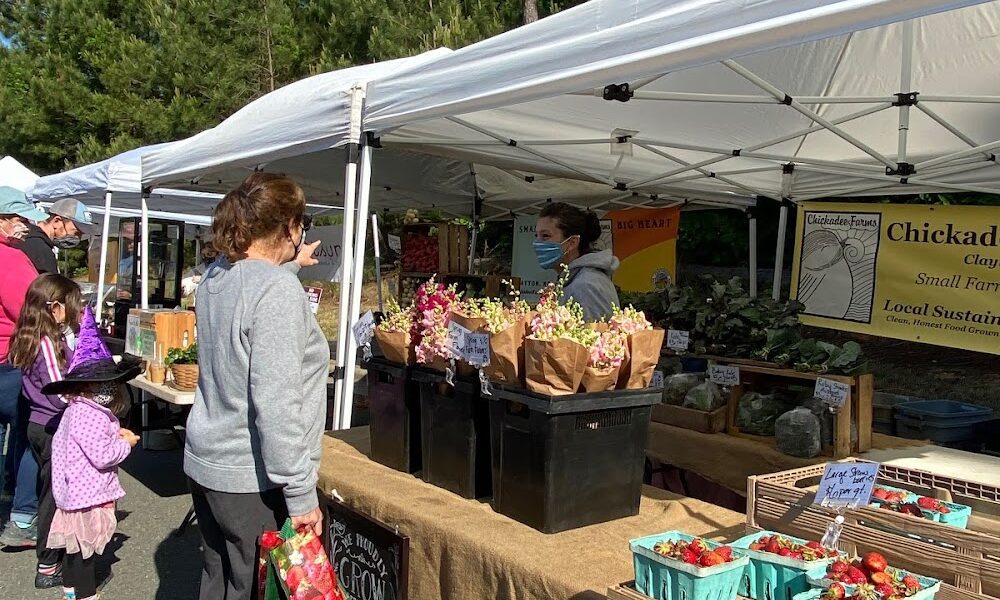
(857, 409)
(967, 561)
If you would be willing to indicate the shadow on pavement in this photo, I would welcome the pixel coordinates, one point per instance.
(178, 566)
(160, 471)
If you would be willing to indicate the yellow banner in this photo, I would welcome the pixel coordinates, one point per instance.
(922, 273)
(645, 241)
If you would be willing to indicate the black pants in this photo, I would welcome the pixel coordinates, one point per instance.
(80, 574)
(231, 525)
(40, 439)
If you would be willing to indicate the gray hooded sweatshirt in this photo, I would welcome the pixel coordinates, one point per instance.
(260, 407)
(590, 284)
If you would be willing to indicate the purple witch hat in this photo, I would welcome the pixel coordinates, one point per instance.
(92, 361)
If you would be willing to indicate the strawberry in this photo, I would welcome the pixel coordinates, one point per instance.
(757, 547)
(797, 555)
(911, 509)
(856, 576)
(874, 562)
(943, 509)
(880, 577)
(911, 583)
(784, 552)
(772, 546)
(840, 566)
(689, 556)
(711, 558)
(880, 493)
(698, 546)
(725, 552)
(835, 592)
(814, 545)
(928, 503)
(885, 590)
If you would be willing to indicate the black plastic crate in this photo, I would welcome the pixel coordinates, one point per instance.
(563, 462)
(455, 430)
(394, 415)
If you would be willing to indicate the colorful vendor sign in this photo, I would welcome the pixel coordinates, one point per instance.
(645, 241)
(922, 273)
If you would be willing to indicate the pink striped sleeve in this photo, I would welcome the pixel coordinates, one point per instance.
(48, 352)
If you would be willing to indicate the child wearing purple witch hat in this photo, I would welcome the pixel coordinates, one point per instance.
(86, 450)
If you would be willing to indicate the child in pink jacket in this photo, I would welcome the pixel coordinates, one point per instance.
(87, 448)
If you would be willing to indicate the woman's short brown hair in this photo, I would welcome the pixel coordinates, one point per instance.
(259, 209)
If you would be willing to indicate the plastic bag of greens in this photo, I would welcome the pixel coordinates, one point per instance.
(676, 387)
(756, 412)
(797, 433)
(826, 421)
(705, 397)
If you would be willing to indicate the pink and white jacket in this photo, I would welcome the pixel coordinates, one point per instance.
(86, 452)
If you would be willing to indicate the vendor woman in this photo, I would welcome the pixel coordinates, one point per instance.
(564, 238)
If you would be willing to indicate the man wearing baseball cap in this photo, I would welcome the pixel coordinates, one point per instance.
(16, 213)
(69, 219)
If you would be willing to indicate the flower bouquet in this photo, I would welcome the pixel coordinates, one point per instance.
(556, 352)
(607, 352)
(505, 325)
(430, 328)
(642, 347)
(297, 562)
(395, 333)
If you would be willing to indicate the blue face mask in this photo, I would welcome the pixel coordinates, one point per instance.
(549, 253)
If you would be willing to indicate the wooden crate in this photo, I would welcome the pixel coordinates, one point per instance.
(857, 409)
(967, 561)
(453, 248)
(689, 418)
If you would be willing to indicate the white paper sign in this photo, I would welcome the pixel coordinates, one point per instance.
(846, 485)
(395, 243)
(314, 295)
(657, 383)
(456, 337)
(364, 329)
(724, 375)
(831, 391)
(476, 350)
(678, 340)
(328, 254)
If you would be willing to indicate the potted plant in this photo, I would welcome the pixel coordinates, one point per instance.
(183, 365)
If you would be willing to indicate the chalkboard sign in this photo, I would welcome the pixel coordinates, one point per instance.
(371, 559)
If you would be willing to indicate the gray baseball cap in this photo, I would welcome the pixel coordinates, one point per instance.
(76, 211)
(14, 202)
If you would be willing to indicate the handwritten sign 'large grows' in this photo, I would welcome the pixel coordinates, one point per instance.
(846, 485)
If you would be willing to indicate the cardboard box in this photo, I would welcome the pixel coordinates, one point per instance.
(147, 330)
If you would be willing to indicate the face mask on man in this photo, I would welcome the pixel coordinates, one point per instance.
(549, 253)
(66, 240)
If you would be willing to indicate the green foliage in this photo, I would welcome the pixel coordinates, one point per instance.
(182, 356)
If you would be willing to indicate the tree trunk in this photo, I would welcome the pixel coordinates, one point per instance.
(530, 11)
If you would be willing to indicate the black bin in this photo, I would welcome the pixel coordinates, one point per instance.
(394, 415)
(562, 462)
(455, 434)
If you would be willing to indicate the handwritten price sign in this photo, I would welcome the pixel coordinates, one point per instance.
(476, 350)
(724, 375)
(678, 340)
(846, 485)
(364, 329)
(833, 392)
(456, 337)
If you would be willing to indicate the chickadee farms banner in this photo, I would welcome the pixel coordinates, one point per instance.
(922, 273)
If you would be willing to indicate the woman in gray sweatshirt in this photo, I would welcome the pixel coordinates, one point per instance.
(253, 437)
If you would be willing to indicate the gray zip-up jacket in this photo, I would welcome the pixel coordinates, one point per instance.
(590, 284)
(260, 406)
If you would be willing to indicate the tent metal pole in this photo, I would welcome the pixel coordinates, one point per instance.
(798, 107)
(144, 250)
(954, 130)
(376, 242)
(347, 243)
(975, 99)
(791, 136)
(905, 83)
(956, 155)
(476, 210)
(752, 220)
(704, 172)
(751, 99)
(102, 271)
(529, 150)
(779, 251)
(357, 280)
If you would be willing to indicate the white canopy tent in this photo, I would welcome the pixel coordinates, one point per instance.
(757, 87)
(14, 174)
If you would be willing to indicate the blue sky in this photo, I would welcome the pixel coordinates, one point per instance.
(4, 41)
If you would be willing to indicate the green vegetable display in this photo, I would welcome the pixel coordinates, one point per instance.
(182, 356)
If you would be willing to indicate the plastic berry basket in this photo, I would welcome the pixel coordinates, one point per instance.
(663, 578)
(929, 586)
(958, 515)
(773, 577)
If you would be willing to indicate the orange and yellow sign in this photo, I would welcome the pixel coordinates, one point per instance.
(645, 241)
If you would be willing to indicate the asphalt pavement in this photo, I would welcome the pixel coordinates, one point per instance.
(145, 560)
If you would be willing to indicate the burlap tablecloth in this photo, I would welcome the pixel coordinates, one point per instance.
(728, 460)
(460, 549)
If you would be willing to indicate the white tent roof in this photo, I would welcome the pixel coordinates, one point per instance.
(14, 174)
(829, 61)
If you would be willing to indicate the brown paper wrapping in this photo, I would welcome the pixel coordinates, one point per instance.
(437, 364)
(554, 368)
(599, 380)
(528, 318)
(395, 346)
(507, 356)
(642, 354)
